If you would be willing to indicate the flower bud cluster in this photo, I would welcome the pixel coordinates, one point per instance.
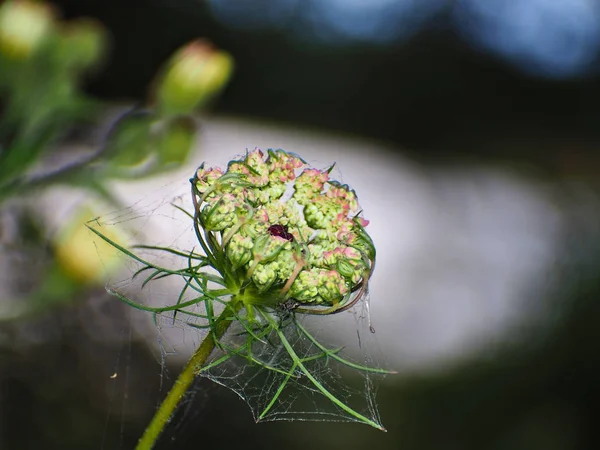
(285, 227)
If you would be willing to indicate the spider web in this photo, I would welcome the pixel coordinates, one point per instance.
(284, 366)
(276, 388)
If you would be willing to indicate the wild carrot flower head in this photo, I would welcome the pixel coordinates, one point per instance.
(285, 239)
(287, 232)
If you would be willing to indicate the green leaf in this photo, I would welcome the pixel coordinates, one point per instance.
(130, 142)
(176, 140)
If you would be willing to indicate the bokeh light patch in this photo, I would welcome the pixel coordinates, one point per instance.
(550, 38)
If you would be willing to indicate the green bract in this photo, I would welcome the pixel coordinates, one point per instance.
(285, 232)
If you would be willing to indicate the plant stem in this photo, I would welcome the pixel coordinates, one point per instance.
(185, 379)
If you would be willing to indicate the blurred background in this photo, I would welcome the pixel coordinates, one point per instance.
(470, 131)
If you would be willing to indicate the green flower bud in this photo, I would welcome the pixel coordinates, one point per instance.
(254, 227)
(205, 178)
(309, 185)
(343, 196)
(286, 264)
(267, 247)
(347, 261)
(265, 275)
(315, 217)
(222, 214)
(262, 197)
(253, 166)
(239, 250)
(331, 286)
(275, 190)
(194, 74)
(305, 288)
(319, 251)
(82, 43)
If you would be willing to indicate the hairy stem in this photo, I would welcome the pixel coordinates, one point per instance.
(185, 379)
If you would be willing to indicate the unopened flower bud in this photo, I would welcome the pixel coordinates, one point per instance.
(254, 167)
(305, 288)
(82, 43)
(255, 227)
(24, 27)
(282, 165)
(195, 73)
(275, 190)
(239, 250)
(206, 177)
(343, 196)
(309, 184)
(285, 264)
(315, 216)
(265, 275)
(277, 270)
(331, 286)
(222, 214)
(267, 247)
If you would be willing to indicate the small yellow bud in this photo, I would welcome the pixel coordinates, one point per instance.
(194, 74)
(82, 255)
(24, 26)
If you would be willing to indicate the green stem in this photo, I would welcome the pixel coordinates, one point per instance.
(185, 379)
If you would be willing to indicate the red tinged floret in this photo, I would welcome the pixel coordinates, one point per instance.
(281, 231)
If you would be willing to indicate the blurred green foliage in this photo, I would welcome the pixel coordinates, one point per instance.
(44, 61)
(42, 64)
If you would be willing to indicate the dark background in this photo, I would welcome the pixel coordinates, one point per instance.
(444, 100)
(432, 93)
